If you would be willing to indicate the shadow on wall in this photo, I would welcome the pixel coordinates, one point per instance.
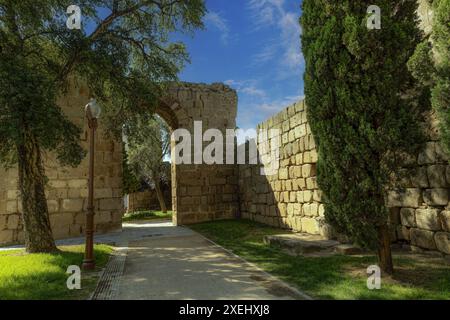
(290, 198)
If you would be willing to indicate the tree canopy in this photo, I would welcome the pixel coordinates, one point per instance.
(125, 54)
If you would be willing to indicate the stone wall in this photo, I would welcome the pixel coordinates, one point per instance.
(199, 192)
(202, 192)
(419, 205)
(147, 200)
(291, 198)
(67, 187)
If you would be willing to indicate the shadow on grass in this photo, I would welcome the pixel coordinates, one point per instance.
(332, 277)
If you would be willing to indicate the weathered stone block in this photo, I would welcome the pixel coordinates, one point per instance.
(447, 174)
(442, 240)
(103, 193)
(408, 217)
(419, 178)
(72, 205)
(103, 217)
(61, 232)
(445, 220)
(12, 207)
(317, 195)
(404, 198)
(73, 193)
(308, 170)
(403, 233)
(428, 155)
(307, 195)
(60, 220)
(283, 174)
(436, 197)
(112, 204)
(58, 184)
(13, 221)
(6, 236)
(423, 239)
(428, 219)
(436, 176)
(3, 219)
(310, 225)
(77, 183)
(321, 210)
(12, 194)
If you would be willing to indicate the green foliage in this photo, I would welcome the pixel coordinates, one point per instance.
(360, 106)
(147, 215)
(430, 64)
(131, 184)
(126, 61)
(148, 145)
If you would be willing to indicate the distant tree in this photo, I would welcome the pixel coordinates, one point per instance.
(130, 182)
(148, 145)
(361, 108)
(430, 64)
(125, 59)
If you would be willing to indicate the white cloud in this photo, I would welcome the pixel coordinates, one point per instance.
(251, 114)
(276, 106)
(215, 20)
(285, 48)
(247, 87)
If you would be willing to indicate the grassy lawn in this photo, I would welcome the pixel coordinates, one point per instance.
(147, 215)
(333, 277)
(43, 276)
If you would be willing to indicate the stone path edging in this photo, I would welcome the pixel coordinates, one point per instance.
(258, 269)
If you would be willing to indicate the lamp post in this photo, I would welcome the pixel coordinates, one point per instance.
(92, 111)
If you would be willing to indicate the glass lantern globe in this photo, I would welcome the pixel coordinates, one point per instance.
(93, 109)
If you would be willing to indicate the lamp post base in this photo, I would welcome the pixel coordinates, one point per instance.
(88, 265)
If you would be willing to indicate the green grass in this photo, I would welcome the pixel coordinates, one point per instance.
(43, 276)
(147, 215)
(332, 277)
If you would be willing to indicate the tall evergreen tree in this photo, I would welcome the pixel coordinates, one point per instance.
(361, 108)
(125, 56)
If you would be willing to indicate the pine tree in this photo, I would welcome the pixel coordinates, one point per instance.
(361, 109)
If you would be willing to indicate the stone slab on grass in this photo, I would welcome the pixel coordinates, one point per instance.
(301, 243)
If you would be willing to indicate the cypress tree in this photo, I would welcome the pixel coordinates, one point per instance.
(361, 110)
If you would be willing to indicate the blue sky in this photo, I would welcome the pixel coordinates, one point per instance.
(253, 46)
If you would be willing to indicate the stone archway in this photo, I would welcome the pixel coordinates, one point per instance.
(202, 192)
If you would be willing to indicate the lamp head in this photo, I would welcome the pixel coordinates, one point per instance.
(93, 109)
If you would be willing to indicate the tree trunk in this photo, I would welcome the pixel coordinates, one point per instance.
(159, 194)
(384, 250)
(38, 233)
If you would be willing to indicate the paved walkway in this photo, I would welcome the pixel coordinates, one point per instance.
(157, 261)
(183, 265)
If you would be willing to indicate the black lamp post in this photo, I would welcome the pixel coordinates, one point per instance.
(92, 111)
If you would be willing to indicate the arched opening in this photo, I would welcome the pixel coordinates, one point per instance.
(201, 192)
(151, 191)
